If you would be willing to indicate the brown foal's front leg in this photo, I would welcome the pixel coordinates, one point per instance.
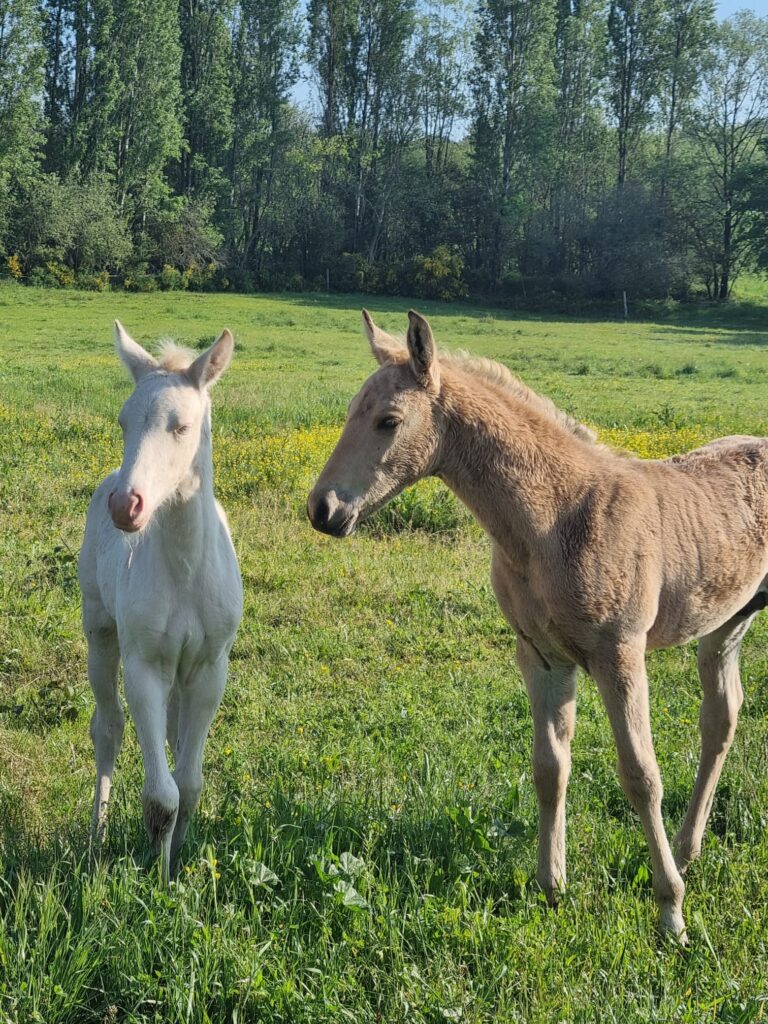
(620, 675)
(552, 692)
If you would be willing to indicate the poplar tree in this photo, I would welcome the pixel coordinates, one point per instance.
(21, 82)
(513, 90)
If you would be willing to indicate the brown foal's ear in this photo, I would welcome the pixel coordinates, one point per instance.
(422, 351)
(384, 347)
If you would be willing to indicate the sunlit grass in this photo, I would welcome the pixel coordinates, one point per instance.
(366, 843)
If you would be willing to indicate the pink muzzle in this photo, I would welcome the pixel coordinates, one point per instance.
(126, 508)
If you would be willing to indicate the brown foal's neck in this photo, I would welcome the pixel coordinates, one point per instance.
(516, 468)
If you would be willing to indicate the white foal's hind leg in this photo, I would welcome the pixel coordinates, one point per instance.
(172, 723)
(623, 685)
(552, 693)
(147, 690)
(721, 683)
(199, 700)
(108, 720)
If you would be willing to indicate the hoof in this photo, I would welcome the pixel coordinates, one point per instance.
(553, 891)
(673, 925)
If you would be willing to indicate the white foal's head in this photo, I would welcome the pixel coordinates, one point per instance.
(392, 435)
(163, 424)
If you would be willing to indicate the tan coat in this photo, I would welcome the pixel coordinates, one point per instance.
(597, 556)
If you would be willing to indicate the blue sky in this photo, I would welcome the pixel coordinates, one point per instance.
(725, 8)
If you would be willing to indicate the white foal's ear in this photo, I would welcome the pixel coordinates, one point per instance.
(384, 347)
(422, 351)
(134, 358)
(208, 367)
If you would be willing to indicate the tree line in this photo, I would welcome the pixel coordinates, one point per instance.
(514, 149)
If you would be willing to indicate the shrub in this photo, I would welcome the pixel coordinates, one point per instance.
(93, 282)
(63, 276)
(239, 280)
(350, 272)
(440, 275)
(169, 279)
(200, 277)
(13, 265)
(140, 282)
(41, 277)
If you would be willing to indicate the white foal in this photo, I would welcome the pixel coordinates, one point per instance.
(161, 588)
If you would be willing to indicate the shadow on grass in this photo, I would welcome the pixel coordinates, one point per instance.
(301, 845)
(741, 316)
(737, 336)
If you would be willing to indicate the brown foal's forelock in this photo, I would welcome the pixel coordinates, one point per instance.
(596, 557)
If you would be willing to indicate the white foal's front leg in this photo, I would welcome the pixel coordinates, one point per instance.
(623, 685)
(108, 720)
(552, 693)
(147, 690)
(720, 681)
(199, 699)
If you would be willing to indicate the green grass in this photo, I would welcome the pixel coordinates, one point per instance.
(366, 842)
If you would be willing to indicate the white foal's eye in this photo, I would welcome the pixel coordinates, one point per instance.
(183, 428)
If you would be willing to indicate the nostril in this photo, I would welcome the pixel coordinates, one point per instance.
(322, 512)
(137, 504)
(109, 500)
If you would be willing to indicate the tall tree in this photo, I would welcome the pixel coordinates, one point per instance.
(687, 28)
(634, 67)
(441, 58)
(265, 53)
(513, 91)
(207, 95)
(21, 81)
(130, 125)
(361, 55)
(578, 159)
(728, 123)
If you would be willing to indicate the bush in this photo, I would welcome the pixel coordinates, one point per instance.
(41, 277)
(140, 282)
(169, 279)
(93, 282)
(200, 277)
(440, 275)
(13, 267)
(239, 280)
(351, 272)
(63, 276)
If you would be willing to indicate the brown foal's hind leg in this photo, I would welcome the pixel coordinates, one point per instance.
(623, 685)
(552, 692)
(719, 674)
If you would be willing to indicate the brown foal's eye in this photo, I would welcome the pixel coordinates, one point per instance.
(389, 423)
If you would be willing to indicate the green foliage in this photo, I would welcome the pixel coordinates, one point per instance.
(440, 275)
(170, 279)
(437, 146)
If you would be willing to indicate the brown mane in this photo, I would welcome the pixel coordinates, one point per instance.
(501, 376)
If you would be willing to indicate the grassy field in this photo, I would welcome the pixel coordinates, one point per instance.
(365, 846)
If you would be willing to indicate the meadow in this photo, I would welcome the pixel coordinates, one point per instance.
(365, 847)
